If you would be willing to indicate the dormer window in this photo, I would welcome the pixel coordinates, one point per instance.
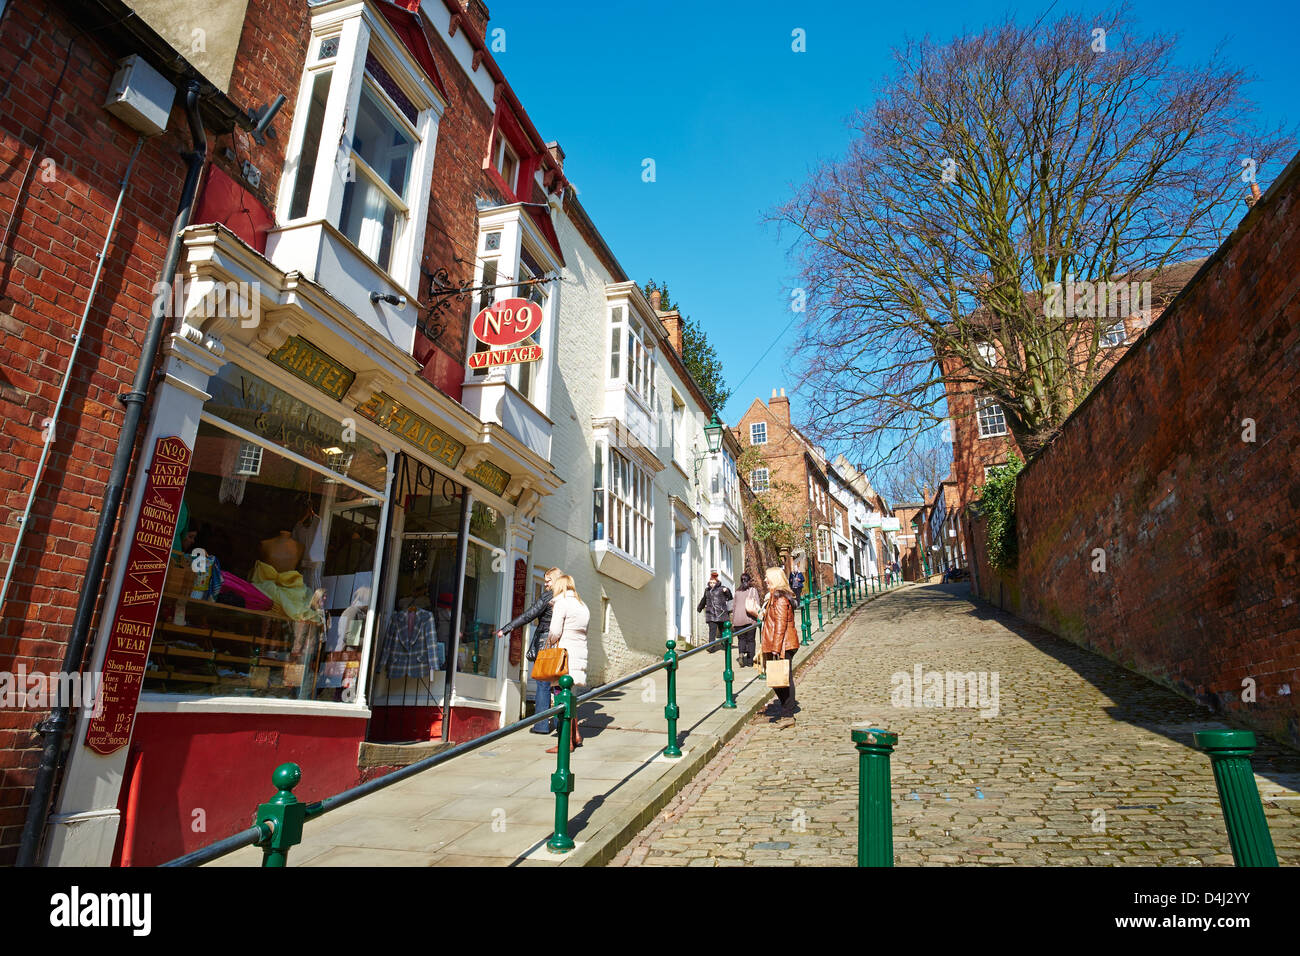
(507, 163)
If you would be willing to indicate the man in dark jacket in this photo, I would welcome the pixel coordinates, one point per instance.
(714, 604)
(796, 583)
(541, 613)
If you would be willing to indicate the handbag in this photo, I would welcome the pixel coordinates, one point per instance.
(778, 673)
(752, 607)
(539, 640)
(552, 663)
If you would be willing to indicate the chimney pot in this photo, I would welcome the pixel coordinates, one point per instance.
(655, 299)
(774, 393)
(783, 393)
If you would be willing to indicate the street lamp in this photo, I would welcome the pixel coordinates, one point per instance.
(713, 434)
(713, 441)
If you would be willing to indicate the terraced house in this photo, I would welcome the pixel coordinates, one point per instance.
(317, 364)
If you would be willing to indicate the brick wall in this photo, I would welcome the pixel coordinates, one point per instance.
(1199, 529)
(63, 158)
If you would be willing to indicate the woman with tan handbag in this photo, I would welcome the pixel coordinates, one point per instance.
(780, 641)
(569, 619)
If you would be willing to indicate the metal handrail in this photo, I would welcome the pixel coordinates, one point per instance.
(280, 821)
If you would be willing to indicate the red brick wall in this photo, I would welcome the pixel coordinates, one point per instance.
(451, 237)
(1200, 529)
(53, 80)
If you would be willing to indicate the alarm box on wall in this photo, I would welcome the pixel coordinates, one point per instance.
(140, 96)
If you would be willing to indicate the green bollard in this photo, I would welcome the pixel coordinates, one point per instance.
(805, 618)
(562, 780)
(285, 813)
(672, 712)
(1243, 813)
(820, 623)
(875, 803)
(728, 675)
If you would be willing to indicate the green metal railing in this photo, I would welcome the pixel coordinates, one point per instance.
(280, 822)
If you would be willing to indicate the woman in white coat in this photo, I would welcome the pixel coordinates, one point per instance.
(569, 620)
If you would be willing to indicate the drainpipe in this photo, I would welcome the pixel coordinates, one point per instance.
(56, 725)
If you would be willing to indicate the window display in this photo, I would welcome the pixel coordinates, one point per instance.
(269, 585)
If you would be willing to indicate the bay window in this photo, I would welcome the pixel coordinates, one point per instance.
(632, 351)
(360, 156)
(623, 513)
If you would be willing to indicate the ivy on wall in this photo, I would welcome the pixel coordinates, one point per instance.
(998, 505)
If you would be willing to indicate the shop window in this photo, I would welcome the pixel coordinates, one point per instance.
(270, 583)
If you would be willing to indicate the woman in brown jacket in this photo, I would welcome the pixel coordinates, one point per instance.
(781, 636)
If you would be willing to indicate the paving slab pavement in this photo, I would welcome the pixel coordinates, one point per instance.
(494, 807)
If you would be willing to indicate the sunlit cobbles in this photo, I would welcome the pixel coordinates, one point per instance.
(1055, 753)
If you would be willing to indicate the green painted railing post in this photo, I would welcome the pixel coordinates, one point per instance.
(285, 813)
(728, 675)
(805, 618)
(875, 803)
(1243, 813)
(820, 623)
(562, 780)
(671, 711)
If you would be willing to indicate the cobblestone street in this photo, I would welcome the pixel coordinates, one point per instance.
(1083, 763)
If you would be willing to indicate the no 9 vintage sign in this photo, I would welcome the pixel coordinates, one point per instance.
(502, 325)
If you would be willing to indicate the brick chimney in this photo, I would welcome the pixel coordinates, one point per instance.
(779, 406)
(655, 298)
(672, 323)
(476, 15)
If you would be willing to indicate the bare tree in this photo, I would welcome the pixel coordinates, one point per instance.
(992, 173)
(917, 476)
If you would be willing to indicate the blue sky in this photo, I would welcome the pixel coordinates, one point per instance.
(734, 118)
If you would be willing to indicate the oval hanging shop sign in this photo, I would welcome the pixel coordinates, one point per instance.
(507, 322)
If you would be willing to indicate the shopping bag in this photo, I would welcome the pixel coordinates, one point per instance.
(778, 673)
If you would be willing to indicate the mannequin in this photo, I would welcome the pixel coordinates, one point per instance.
(282, 552)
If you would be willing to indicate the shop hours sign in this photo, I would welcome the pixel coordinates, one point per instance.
(137, 604)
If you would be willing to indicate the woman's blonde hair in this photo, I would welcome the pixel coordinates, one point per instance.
(776, 579)
(564, 582)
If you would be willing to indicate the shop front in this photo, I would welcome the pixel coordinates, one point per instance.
(345, 546)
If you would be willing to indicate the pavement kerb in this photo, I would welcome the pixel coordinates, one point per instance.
(620, 831)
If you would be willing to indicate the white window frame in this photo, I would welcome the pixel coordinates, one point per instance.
(637, 355)
(989, 353)
(624, 490)
(359, 30)
(823, 544)
(1109, 339)
(987, 420)
(502, 268)
(758, 480)
(498, 160)
(755, 430)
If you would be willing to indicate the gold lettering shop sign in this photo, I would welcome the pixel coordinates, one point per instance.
(490, 477)
(400, 420)
(314, 367)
